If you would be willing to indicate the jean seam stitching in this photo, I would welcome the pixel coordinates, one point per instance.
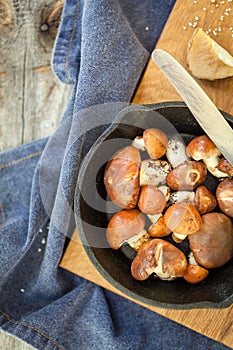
(9, 319)
(70, 42)
(20, 160)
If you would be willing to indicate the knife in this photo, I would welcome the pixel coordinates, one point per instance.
(200, 105)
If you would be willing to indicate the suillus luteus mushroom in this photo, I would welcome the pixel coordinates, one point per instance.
(225, 167)
(155, 141)
(212, 244)
(224, 194)
(202, 148)
(126, 226)
(161, 258)
(151, 200)
(186, 176)
(182, 219)
(121, 177)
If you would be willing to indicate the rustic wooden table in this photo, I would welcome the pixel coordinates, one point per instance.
(32, 99)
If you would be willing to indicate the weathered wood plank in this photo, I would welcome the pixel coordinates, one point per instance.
(32, 100)
(7, 342)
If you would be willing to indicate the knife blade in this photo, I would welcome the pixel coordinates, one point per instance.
(200, 105)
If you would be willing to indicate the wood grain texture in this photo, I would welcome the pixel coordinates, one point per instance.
(32, 100)
(154, 87)
(7, 342)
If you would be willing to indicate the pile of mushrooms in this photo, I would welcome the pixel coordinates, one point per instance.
(162, 181)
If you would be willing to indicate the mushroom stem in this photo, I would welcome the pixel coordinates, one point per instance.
(191, 259)
(178, 237)
(166, 191)
(138, 240)
(176, 151)
(139, 143)
(212, 165)
(154, 172)
(154, 218)
(182, 196)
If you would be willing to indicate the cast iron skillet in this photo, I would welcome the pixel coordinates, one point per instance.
(93, 211)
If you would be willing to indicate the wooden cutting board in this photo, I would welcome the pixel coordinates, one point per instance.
(154, 87)
(216, 16)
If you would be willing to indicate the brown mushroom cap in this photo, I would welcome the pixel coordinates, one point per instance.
(205, 201)
(202, 147)
(124, 225)
(187, 176)
(121, 177)
(225, 167)
(212, 245)
(159, 228)
(160, 257)
(183, 218)
(224, 194)
(151, 200)
(155, 142)
(195, 274)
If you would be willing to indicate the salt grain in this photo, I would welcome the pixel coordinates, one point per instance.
(147, 28)
(204, 9)
(215, 33)
(39, 250)
(22, 290)
(184, 27)
(40, 230)
(43, 241)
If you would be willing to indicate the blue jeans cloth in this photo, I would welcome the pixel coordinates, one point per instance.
(101, 49)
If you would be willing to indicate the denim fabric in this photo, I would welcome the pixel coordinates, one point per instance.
(101, 48)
